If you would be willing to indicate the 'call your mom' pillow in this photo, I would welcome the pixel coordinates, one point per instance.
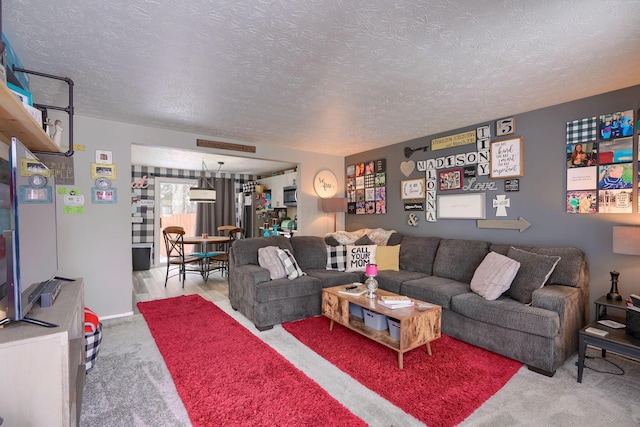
(359, 256)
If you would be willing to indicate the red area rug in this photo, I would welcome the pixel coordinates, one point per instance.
(226, 376)
(439, 390)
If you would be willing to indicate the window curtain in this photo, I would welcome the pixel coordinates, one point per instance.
(209, 216)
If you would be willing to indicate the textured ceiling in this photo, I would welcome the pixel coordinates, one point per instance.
(331, 76)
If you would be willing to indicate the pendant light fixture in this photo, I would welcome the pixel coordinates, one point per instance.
(206, 193)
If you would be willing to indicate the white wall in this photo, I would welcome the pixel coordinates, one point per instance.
(96, 245)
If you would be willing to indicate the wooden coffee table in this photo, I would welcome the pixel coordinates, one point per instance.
(417, 327)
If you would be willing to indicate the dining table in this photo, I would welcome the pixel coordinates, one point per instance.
(206, 266)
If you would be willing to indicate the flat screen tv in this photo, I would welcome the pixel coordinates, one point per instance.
(28, 246)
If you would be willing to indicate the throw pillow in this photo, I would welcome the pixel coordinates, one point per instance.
(268, 258)
(388, 257)
(337, 257)
(358, 257)
(364, 240)
(331, 241)
(534, 271)
(290, 265)
(494, 275)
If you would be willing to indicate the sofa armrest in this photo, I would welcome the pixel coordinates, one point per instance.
(251, 274)
(568, 302)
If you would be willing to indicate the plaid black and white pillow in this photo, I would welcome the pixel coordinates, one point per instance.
(337, 257)
(290, 264)
(92, 346)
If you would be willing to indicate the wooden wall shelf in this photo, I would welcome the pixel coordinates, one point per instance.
(16, 122)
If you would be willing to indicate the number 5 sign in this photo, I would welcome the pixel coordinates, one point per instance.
(505, 126)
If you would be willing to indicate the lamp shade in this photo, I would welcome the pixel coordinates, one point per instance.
(626, 240)
(336, 204)
(202, 195)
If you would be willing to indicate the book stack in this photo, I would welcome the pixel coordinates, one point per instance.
(395, 301)
(355, 289)
(633, 302)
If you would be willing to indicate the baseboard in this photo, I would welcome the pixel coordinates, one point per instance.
(115, 316)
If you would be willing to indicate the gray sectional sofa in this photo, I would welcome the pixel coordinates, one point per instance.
(542, 334)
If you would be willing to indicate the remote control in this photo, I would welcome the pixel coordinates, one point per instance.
(611, 323)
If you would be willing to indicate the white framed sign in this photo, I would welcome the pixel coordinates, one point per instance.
(325, 184)
(461, 206)
(507, 158)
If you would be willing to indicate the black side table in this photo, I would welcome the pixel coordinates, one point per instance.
(617, 340)
(603, 303)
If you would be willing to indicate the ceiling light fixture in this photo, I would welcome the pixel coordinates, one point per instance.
(206, 193)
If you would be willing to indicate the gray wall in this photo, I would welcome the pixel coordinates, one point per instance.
(541, 199)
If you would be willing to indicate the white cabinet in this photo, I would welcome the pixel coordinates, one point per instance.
(44, 368)
(276, 184)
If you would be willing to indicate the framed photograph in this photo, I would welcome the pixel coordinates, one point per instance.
(616, 125)
(104, 157)
(103, 170)
(412, 189)
(450, 179)
(505, 126)
(30, 167)
(29, 194)
(23, 96)
(507, 158)
(104, 196)
(461, 206)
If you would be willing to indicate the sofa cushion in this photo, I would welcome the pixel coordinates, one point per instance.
(359, 256)
(333, 277)
(458, 259)
(418, 253)
(507, 313)
(391, 280)
(534, 271)
(268, 258)
(310, 251)
(388, 257)
(494, 275)
(245, 251)
(290, 264)
(336, 257)
(437, 290)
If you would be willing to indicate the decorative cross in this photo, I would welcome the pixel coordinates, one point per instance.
(502, 203)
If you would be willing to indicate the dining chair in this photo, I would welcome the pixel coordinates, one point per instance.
(223, 257)
(177, 260)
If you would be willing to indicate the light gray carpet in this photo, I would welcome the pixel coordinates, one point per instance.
(131, 386)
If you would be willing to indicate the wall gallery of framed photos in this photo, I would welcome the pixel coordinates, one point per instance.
(366, 188)
(600, 162)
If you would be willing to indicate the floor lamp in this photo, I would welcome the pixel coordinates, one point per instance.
(626, 240)
(335, 205)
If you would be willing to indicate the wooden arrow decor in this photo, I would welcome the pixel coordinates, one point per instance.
(511, 224)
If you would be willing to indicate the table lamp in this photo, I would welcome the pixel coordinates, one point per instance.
(626, 240)
(335, 205)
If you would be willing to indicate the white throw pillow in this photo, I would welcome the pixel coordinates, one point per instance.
(268, 258)
(494, 275)
(359, 256)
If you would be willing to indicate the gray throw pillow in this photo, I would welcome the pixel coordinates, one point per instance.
(364, 240)
(534, 271)
(331, 241)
